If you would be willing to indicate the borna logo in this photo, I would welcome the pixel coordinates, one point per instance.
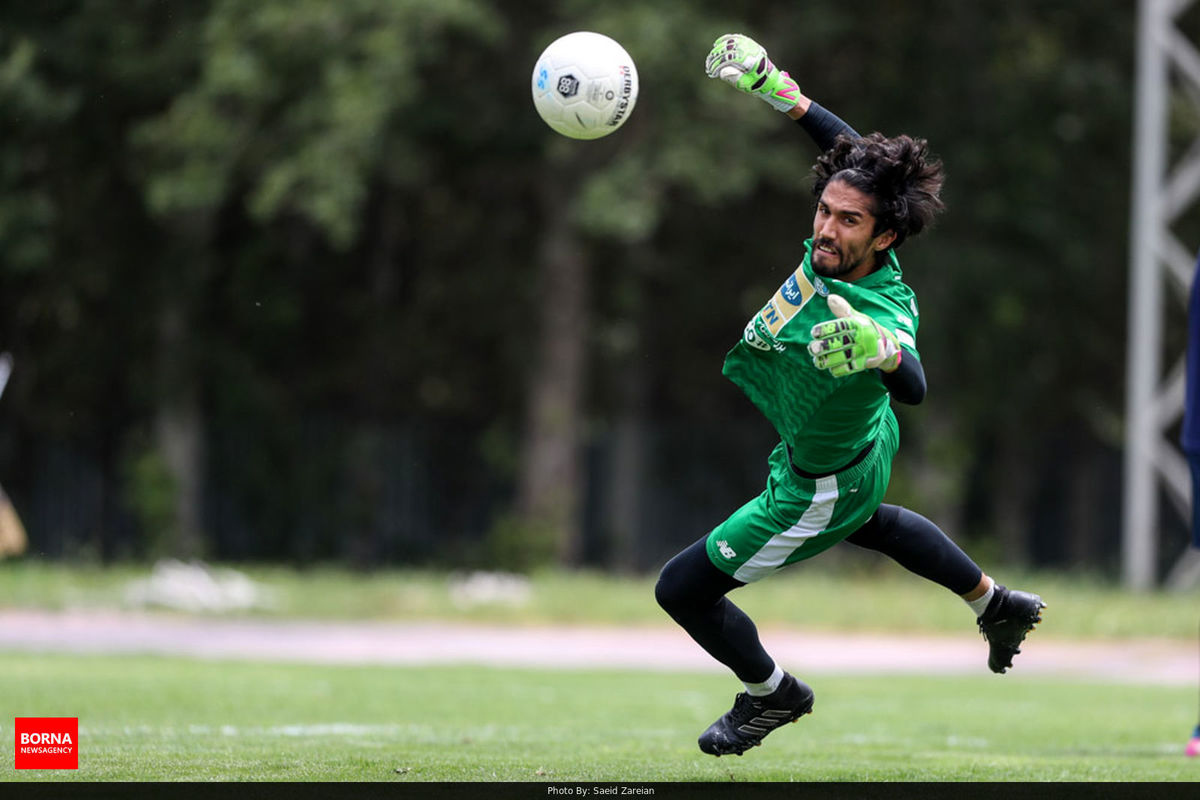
(46, 743)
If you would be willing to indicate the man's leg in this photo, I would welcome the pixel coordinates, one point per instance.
(1004, 615)
(692, 591)
(921, 547)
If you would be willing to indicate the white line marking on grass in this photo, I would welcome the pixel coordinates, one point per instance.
(967, 741)
(414, 732)
(336, 729)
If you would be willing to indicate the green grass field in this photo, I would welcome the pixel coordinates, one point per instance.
(164, 719)
(152, 719)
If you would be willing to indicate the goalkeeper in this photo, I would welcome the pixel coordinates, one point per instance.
(820, 360)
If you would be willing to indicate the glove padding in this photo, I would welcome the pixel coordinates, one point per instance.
(852, 342)
(743, 62)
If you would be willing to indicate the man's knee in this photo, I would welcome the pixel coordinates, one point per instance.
(690, 582)
(670, 591)
(875, 532)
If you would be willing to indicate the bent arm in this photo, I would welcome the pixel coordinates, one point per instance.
(906, 383)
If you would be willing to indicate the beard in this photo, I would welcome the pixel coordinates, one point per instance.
(844, 263)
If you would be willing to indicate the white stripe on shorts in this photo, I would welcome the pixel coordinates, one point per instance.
(812, 522)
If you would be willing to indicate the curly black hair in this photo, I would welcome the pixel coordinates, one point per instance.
(900, 173)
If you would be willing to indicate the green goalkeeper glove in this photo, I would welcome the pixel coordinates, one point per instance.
(740, 60)
(852, 342)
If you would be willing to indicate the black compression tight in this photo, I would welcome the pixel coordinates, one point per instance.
(919, 546)
(693, 591)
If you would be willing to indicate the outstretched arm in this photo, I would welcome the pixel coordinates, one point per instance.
(744, 63)
(820, 123)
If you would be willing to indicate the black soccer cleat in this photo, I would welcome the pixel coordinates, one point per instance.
(752, 718)
(1009, 616)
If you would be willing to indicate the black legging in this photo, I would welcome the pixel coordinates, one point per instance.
(919, 546)
(692, 590)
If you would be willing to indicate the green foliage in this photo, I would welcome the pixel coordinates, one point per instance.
(26, 217)
(520, 545)
(306, 105)
(150, 493)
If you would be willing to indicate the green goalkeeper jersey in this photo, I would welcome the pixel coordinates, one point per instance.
(826, 421)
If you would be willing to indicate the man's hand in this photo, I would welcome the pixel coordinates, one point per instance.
(740, 60)
(852, 342)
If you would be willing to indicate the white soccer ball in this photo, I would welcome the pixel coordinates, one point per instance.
(584, 85)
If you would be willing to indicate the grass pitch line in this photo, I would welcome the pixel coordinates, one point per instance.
(184, 719)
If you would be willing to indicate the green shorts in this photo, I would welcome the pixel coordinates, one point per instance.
(797, 517)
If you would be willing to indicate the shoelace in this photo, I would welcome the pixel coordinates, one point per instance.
(745, 705)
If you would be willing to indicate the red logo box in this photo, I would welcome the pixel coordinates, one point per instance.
(47, 742)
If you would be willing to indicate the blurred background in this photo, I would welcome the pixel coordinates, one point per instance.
(307, 282)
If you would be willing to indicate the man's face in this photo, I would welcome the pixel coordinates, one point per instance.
(844, 244)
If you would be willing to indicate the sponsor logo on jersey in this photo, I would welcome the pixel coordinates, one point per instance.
(790, 291)
(762, 331)
(750, 336)
(758, 335)
(795, 292)
(726, 550)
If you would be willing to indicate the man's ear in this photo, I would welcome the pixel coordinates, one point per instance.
(884, 240)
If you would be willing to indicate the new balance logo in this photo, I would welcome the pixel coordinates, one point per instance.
(790, 88)
(726, 550)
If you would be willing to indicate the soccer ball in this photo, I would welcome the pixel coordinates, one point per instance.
(584, 85)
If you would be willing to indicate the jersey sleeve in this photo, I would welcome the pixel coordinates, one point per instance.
(823, 126)
(897, 311)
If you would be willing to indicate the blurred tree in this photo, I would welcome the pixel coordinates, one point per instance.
(309, 128)
(80, 259)
(288, 262)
